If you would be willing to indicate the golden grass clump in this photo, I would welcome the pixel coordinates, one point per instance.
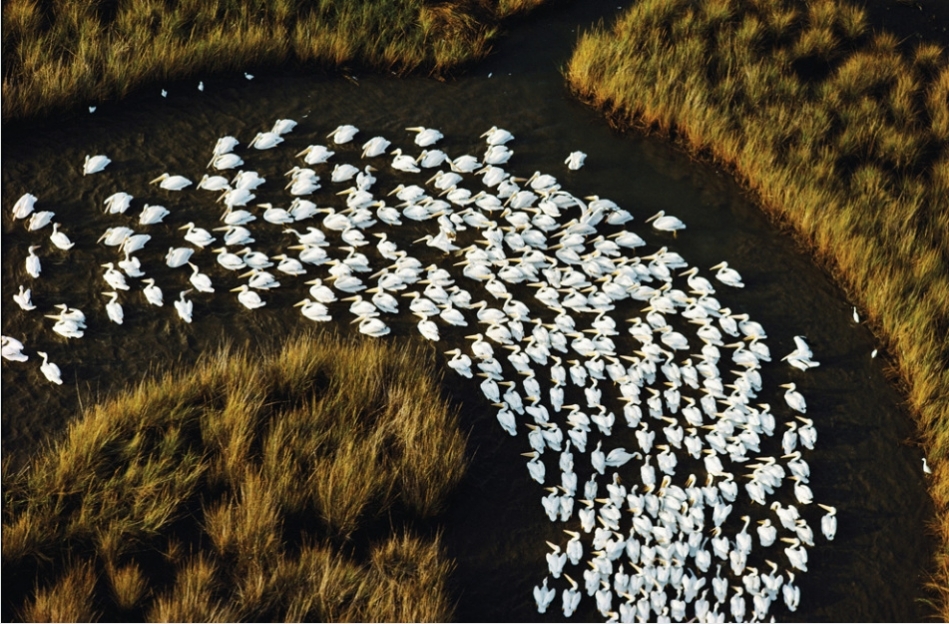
(244, 489)
(852, 152)
(62, 53)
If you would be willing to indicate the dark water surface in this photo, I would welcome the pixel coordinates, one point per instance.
(496, 527)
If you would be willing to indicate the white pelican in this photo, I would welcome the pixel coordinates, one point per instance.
(50, 370)
(172, 182)
(95, 164)
(184, 307)
(60, 239)
(13, 350)
(248, 298)
(153, 293)
(117, 203)
(795, 399)
(376, 146)
(23, 299)
(114, 308)
(727, 275)
(266, 140)
(665, 223)
(343, 134)
(283, 126)
(316, 154)
(497, 136)
(575, 160)
(24, 206)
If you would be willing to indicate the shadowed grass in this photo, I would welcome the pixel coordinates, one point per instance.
(62, 53)
(837, 131)
(247, 488)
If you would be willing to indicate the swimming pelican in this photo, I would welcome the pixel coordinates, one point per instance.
(343, 134)
(404, 162)
(114, 308)
(376, 146)
(33, 266)
(50, 370)
(197, 236)
(95, 164)
(23, 299)
(728, 275)
(200, 280)
(152, 215)
(153, 293)
(426, 136)
(497, 136)
(266, 140)
(575, 160)
(224, 161)
(24, 206)
(316, 154)
(172, 182)
(665, 223)
(283, 126)
(13, 350)
(39, 220)
(184, 307)
(248, 298)
(178, 256)
(795, 399)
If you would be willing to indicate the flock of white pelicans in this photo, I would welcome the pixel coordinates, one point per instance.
(651, 531)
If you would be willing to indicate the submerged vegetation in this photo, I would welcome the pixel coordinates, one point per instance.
(291, 487)
(840, 134)
(61, 53)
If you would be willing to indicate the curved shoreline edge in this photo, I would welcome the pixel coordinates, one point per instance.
(70, 54)
(838, 134)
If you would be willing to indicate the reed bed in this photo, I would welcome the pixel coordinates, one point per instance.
(840, 134)
(296, 486)
(62, 53)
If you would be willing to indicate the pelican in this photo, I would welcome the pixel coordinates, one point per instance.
(197, 236)
(426, 136)
(404, 162)
(50, 370)
(497, 136)
(114, 308)
(153, 293)
(316, 154)
(172, 182)
(178, 256)
(13, 350)
(795, 399)
(39, 220)
(248, 298)
(575, 160)
(224, 161)
(24, 206)
(153, 214)
(95, 164)
(376, 146)
(33, 266)
(372, 326)
(313, 310)
(184, 307)
(225, 144)
(266, 140)
(728, 275)
(343, 134)
(200, 280)
(665, 223)
(23, 299)
(117, 203)
(283, 126)
(114, 278)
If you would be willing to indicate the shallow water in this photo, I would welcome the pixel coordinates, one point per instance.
(496, 527)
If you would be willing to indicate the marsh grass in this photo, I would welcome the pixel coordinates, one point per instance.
(297, 485)
(838, 131)
(63, 53)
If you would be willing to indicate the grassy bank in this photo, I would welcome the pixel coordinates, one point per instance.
(297, 486)
(64, 53)
(839, 133)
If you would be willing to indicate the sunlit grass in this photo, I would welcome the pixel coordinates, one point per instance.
(838, 131)
(62, 53)
(283, 486)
